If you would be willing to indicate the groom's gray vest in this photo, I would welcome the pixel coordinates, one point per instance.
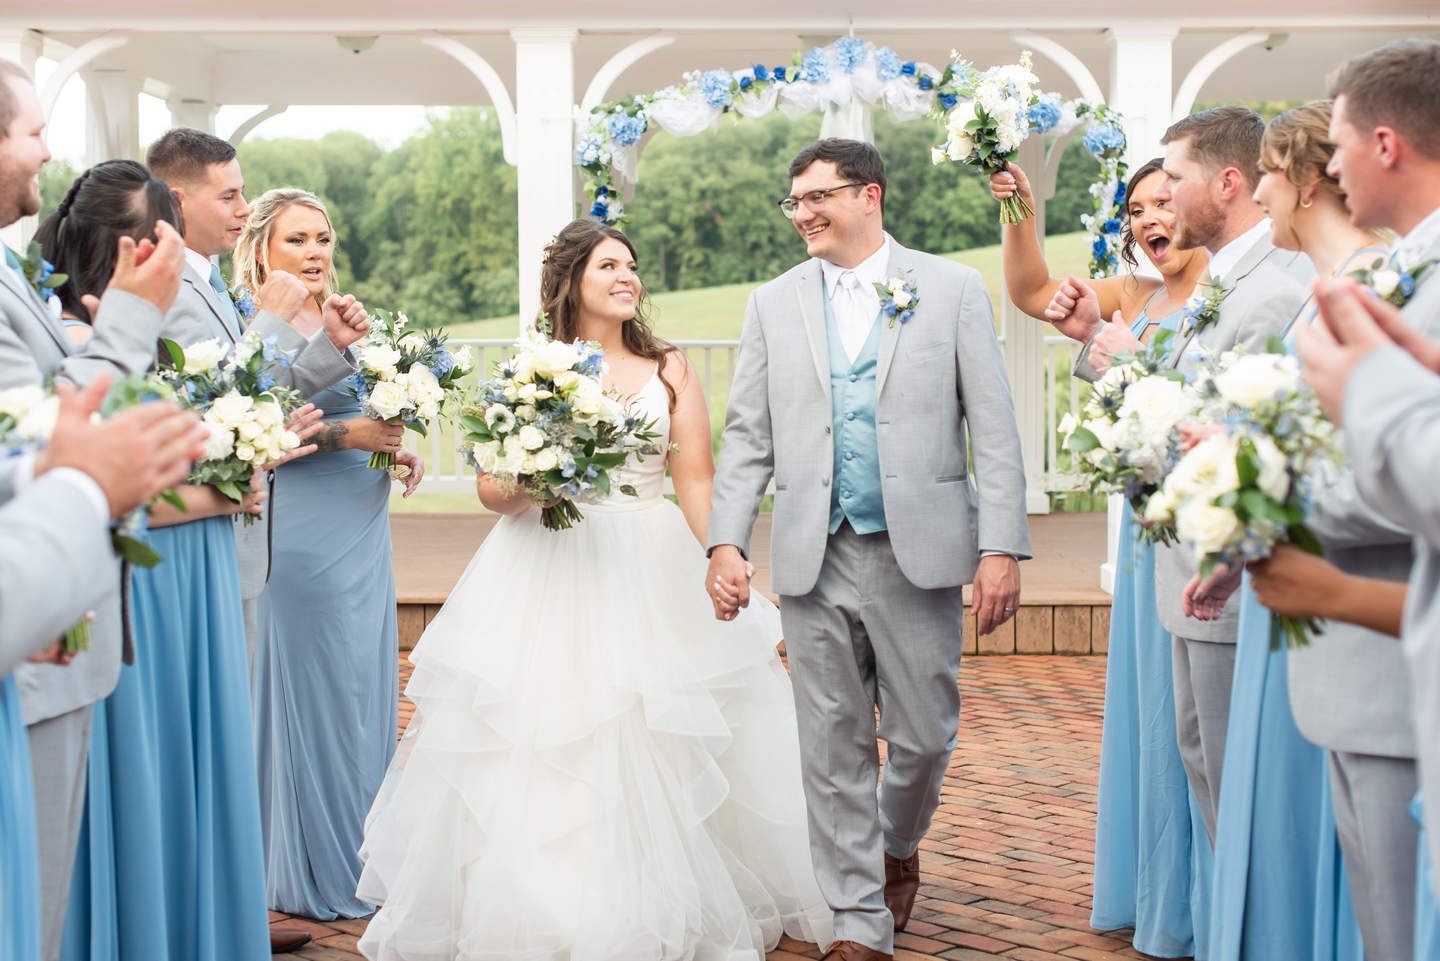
(856, 494)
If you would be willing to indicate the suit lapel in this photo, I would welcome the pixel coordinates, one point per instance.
(208, 294)
(890, 330)
(810, 291)
(28, 297)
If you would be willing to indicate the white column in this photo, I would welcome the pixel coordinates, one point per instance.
(545, 141)
(1142, 85)
(97, 128)
(22, 47)
(119, 90)
(193, 113)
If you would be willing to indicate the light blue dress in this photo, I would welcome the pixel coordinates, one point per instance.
(326, 674)
(1278, 880)
(19, 871)
(1427, 911)
(1151, 850)
(170, 865)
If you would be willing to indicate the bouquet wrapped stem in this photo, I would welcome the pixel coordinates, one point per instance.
(1014, 210)
(77, 638)
(561, 516)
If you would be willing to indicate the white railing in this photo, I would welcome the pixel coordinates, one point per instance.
(714, 360)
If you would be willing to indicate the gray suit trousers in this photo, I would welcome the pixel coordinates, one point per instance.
(1378, 838)
(1203, 674)
(866, 638)
(59, 748)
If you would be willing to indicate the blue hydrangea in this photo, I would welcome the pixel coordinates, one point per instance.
(1111, 226)
(625, 129)
(1119, 193)
(948, 100)
(715, 87)
(589, 151)
(266, 380)
(1407, 285)
(356, 383)
(887, 64)
(443, 365)
(907, 69)
(270, 349)
(814, 67)
(1100, 247)
(1044, 116)
(1104, 138)
(925, 82)
(849, 54)
(245, 303)
(46, 269)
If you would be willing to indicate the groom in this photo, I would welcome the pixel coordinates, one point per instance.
(861, 419)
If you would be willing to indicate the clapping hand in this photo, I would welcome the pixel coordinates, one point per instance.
(148, 270)
(282, 294)
(1110, 341)
(1075, 310)
(345, 320)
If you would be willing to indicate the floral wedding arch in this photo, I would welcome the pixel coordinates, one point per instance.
(849, 74)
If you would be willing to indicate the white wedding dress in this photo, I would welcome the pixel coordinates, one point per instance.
(597, 769)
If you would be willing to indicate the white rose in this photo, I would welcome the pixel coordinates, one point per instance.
(1251, 379)
(1068, 424)
(462, 358)
(960, 146)
(248, 431)
(39, 421)
(546, 459)
(1160, 509)
(219, 443)
(901, 297)
(566, 381)
(531, 438)
(1274, 479)
(487, 454)
(512, 456)
(245, 452)
(525, 413)
(230, 409)
(1207, 527)
(938, 155)
(289, 440)
(203, 356)
(1159, 403)
(388, 399)
(1207, 471)
(380, 358)
(16, 402)
(1385, 281)
(554, 357)
(268, 412)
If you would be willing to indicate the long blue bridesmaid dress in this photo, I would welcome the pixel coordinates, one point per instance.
(1427, 910)
(326, 674)
(19, 870)
(172, 776)
(1151, 850)
(1275, 829)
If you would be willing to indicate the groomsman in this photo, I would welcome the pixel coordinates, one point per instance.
(57, 700)
(204, 173)
(1386, 129)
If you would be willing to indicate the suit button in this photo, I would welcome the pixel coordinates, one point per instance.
(824, 482)
(849, 455)
(854, 378)
(850, 415)
(827, 428)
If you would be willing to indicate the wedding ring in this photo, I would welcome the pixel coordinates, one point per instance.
(1009, 610)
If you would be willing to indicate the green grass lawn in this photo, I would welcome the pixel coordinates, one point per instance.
(717, 313)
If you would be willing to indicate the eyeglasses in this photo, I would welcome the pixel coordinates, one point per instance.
(814, 199)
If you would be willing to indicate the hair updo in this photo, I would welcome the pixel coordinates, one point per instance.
(1297, 144)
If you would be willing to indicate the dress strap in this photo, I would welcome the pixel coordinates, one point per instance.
(1143, 318)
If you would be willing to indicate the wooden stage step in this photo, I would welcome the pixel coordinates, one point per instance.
(1062, 608)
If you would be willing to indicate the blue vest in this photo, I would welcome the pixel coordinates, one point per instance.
(855, 495)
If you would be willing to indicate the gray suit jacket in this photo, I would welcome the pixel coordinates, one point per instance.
(33, 347)
(938, 375)
(198, 315)
(1267, 287)
(55, 564)
(1350, 689)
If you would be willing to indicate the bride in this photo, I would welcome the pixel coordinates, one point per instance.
(597, 769)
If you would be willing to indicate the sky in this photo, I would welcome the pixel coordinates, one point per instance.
(387, 125)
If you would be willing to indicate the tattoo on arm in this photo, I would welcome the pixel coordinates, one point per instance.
(330, 438)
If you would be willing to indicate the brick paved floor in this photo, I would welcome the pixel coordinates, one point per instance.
(1006, 868)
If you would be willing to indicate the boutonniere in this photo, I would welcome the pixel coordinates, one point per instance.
(244, 302)
(1203, 309)
(898, 298)
(40, 274)
(1389, 282)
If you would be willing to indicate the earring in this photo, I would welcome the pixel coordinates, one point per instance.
(1307, 204)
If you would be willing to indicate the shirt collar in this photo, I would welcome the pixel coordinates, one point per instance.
(199, 263)
(1224, 260)
(1414, 245)
(869, 271)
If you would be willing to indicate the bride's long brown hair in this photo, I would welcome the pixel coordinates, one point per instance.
(565, 260)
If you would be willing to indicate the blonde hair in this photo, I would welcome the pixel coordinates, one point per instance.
(1297, 143)
(252, 258)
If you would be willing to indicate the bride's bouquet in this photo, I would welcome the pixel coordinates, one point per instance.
(240, 404)
(1238, 493)
(406, 377)
(987, 116)
(1128, 437)
(545, 424)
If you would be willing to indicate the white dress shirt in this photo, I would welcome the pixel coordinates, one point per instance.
(1224, 260)
(1411, 248)
(853, 297)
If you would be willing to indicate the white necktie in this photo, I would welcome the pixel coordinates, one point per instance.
(850, 315)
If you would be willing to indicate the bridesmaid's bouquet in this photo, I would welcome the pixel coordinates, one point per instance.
(1238, 493)
(545, 424)
(239, 402)
(987, 116)
(27, 419)
(406, 378)
(1128, 437)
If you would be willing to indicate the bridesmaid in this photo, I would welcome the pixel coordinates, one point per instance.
(1151, 853)
(1276, 824)
(326, 671)
(169, 868)
(19, 871)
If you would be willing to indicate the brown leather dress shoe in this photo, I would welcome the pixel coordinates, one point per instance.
(902, 881)
(854, 951)
(284, 940)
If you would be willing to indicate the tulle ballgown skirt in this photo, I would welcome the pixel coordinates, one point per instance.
(169, 867)
(1275, 830)
(1151, 852)
(19, 871)
(597, 769)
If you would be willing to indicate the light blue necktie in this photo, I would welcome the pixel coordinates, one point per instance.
(223, 292)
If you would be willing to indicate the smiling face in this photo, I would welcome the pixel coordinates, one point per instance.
(845, 227)
(22, 154)
(1152, 223)
(214, 209)
(609, 288)
(1281, 200)
(302, 243)
(1192, 193)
